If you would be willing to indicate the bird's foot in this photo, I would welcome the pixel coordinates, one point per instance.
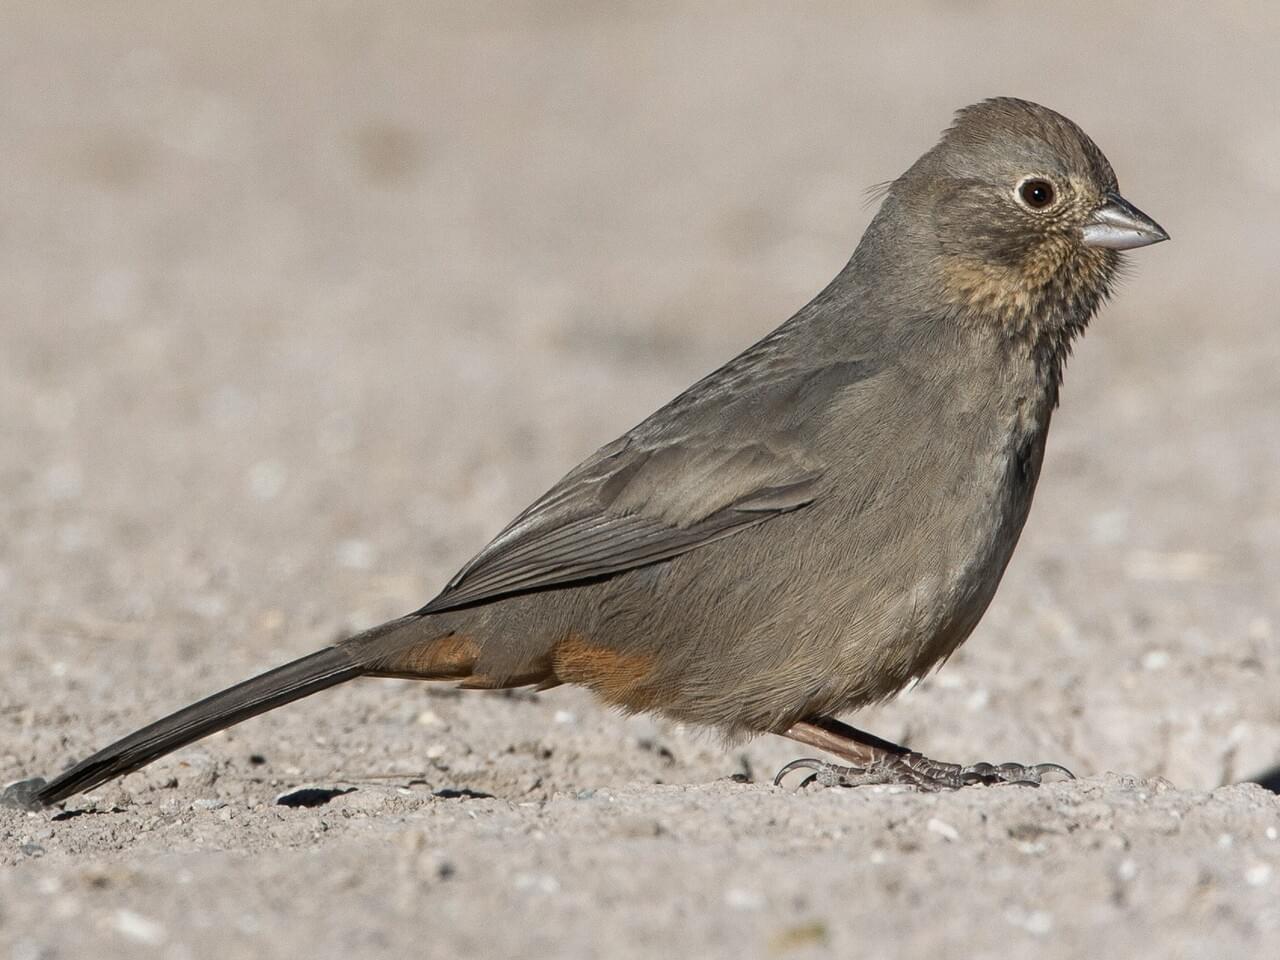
(917, 770)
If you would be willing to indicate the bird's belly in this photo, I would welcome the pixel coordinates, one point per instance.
(938, 572)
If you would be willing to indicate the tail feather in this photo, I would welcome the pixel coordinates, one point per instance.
(284, 684)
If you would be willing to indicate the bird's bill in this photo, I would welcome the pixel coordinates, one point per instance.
(1119, 225)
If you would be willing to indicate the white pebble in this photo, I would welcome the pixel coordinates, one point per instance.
(978, 700)
(1259, 875)
(943, 829)
(1039, 922)
(1155, 660)
(137, 927)
(737, 898)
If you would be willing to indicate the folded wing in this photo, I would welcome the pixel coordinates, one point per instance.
(730, 453)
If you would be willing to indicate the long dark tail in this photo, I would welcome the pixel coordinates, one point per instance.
(295, 680)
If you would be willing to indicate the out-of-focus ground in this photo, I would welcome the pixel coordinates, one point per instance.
(300, 303)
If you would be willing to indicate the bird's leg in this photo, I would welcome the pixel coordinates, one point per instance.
(879, 761)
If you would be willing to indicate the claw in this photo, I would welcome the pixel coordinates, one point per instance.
(804, 763)
(1013, 773)
(976, 773)
(1043, 768)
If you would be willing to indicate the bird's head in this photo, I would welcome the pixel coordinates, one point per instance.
(1023, 218)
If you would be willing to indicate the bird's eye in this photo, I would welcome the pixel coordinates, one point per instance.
(1036, 194)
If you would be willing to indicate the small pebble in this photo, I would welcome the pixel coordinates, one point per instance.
(737, 898)
(943, 829)
(1155, 660)
(1258, 876)
(137, 927)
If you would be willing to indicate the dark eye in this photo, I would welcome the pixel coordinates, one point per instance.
(1036, 194)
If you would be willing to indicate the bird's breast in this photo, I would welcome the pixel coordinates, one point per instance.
(929, 537)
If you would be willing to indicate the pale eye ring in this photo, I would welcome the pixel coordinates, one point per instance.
(1036, 193)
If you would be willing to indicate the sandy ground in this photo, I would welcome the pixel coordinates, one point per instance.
(298, 307)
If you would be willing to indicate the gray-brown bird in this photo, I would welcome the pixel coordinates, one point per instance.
(810, 527)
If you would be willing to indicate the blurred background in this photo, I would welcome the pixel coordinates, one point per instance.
(299, 303)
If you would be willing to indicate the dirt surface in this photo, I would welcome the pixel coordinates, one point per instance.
(297, 308)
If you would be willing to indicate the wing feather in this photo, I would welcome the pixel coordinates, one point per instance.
(704, 467)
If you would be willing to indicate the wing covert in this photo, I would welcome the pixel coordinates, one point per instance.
(708, 465)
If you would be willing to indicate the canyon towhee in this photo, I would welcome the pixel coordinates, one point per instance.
(812, 526)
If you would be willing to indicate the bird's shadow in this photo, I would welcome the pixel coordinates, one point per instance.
(311, 796)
